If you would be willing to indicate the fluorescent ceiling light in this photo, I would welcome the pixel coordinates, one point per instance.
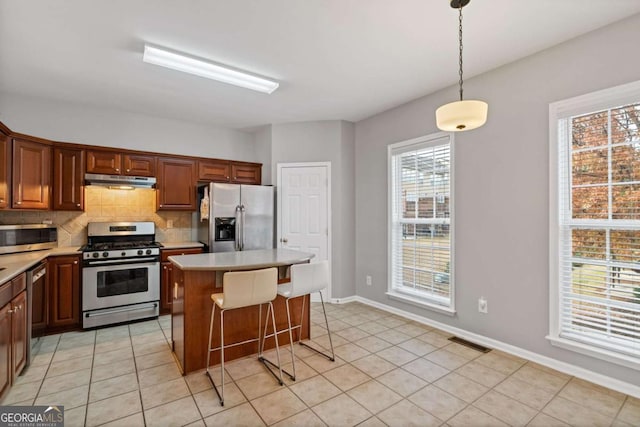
(210, 70)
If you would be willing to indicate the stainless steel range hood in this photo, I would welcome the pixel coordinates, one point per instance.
(121, 182)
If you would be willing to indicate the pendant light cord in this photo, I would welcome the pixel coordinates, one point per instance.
(460, 40)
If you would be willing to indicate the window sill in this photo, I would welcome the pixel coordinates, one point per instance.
(598, 353)
(418, 302)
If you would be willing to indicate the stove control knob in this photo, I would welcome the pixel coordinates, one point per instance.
(139, 251)
(148, 252)
(105, 254)
(123, 254)
(95, 255)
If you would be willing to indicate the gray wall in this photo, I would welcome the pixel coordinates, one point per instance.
(67, 122)
(262, 138)
(326, 141)
(501, 196)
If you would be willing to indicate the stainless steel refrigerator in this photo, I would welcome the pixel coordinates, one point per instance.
(240, 217)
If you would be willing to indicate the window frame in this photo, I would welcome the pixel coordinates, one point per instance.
(558, 111)
(405, 295)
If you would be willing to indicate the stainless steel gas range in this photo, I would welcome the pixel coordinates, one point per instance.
(120, 273)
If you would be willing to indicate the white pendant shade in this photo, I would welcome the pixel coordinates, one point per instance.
(461, 115)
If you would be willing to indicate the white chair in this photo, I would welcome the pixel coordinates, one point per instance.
(244, 289)
(305, 280)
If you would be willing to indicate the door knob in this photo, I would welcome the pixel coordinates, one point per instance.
(284, 240)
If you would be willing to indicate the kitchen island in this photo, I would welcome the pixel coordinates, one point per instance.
(196, 277)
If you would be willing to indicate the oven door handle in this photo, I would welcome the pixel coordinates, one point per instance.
(120, 310)
(123, 262)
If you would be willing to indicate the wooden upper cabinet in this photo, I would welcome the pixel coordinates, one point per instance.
(5, 168)
(176, 186)
(68, 179)
(114, 163)
(139, 165)
(31, 177)
(246, 173)
(104, 162)
(214, 171)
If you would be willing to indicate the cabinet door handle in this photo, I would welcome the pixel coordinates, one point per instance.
(175, 290)
(10, 311)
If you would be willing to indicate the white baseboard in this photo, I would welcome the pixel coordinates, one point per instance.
(567, 368)
(352, 298)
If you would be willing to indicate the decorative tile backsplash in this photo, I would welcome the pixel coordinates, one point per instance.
(103, 204)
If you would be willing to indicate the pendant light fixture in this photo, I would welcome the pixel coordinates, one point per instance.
(461, 115)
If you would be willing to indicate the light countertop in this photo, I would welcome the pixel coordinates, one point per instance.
(180, 245)
(14, 264)
(243, 260)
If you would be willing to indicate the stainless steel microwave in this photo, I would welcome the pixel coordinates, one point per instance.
(27, 237)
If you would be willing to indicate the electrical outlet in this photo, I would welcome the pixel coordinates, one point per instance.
(368, 280)
(169, 223)
(483, 306)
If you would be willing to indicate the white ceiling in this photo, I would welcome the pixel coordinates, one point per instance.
(335, 59)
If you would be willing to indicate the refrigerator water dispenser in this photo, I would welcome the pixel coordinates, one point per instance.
(225, 230)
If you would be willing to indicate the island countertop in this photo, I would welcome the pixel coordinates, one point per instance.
(241, 260)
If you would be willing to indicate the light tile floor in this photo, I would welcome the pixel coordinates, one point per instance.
(389, 371)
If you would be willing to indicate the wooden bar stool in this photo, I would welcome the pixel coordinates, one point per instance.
(305, 280)
(244, 289)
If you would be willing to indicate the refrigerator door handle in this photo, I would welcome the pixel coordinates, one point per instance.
(242, 209)
(238, 228)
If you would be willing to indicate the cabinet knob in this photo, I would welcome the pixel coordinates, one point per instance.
(78, 204)
(117, 170)
(1, 200)
(10, 311)
(164, 267)
(18, 203)
(128, 170)
(227, 177)
(75, 262)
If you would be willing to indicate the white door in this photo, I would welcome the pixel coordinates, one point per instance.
(304, 209)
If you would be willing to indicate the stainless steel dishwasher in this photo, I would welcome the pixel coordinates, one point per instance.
(36, 305)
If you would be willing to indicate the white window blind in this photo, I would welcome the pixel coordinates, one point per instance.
(420, 220)
(599, 229)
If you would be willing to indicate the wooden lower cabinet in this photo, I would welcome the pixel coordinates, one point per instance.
(13, 331)
(5, 349)
(166, 275)
(19, 336)
(64, 292)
